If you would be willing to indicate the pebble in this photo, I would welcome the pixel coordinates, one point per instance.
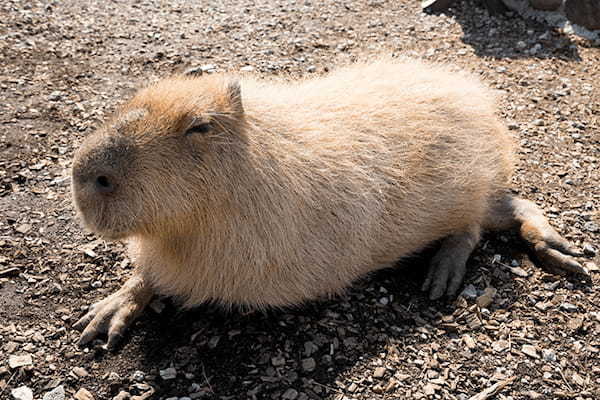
(530, 350)
(209, 68)
(22, 393)
(83, 394)
(548, 355)
(167, 374)
(58, 393)
(519, 272)
(80, 372)
(589, 250)
(568, 307)
(138, 376)
(311, 69)
(247, 68)
(290, 394)
(309, 364)
(122, 396)
(379, 372)
(19, 361)
(591, 227)
(469, 292)
(469, 342)
(278, 361)
(487, 297)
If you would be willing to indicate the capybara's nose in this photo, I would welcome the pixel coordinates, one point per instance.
(104, 184)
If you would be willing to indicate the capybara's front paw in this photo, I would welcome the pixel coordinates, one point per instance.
(113, 315)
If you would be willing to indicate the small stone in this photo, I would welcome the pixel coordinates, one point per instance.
(521, 44)
(429, 389)
(22, 393)
(469, 292)
(469, 342)
(194, 71)
(138, 376)
(309, 364)
(209, 68)
(290, 394)
(487, 297)
(538, 122)
(122, 396)
(530, 350)
(568, 307)
(58, 393)
(247, 68)
(519, 272)
(278, 361)
(54, 96)
(23, 228)
(379, 372)
(548, 355)
(591, 227)
(500, 346)
(20, 361)
(543, 306)
(575, 324)
(589, 250)
(311, 69)
(80, 372)
(169, 373)
(83, 394)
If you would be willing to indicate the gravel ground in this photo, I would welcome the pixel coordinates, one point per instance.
(65, 65)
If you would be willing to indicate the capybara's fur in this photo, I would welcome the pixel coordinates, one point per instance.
(294, 188)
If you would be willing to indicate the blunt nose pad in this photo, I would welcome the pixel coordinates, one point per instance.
(104, 184)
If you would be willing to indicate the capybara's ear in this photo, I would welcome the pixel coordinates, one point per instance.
(234, 93)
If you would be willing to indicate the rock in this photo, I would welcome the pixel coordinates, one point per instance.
(58, 393)
(83, 394)
(167, 374)
(591, 227)
(122, 396)
(530, 350)
(193, 71)
(469, 292)
(247, 68)
(54, 96)
(500, 346)
(429, 389)
(568, 307)
(311, 69)
(80, 372)
(278, 361)
(575, 324)
(309, 364)
(548, 355)
(585, 13)
(290, 394)
(138, 376)
(589, 250)
(208, 68)
(379, 372)
(19, 361)
(546, 5)
(487, 297)
(22, 393)
(469, 342)
(519, 272)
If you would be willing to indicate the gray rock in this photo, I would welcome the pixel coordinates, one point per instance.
(19, 361)
(549, 355)
(568, 307)
(169, 373)
(469, 292)
(138, 376)
(290, 394)
(589, 250)
(309, 364)
(58, 393)
(22, 393)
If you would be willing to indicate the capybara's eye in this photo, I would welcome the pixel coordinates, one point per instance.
(200, 128)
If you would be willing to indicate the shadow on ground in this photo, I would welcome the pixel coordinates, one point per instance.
(509, 35)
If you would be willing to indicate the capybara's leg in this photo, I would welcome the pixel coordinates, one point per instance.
(448, 266)
(115, 313)
(554, 251)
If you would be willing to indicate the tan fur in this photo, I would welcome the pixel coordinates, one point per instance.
(302, 186)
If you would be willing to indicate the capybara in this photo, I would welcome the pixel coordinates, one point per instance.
(267, 193)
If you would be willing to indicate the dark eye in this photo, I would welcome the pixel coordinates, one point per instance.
(199, 128)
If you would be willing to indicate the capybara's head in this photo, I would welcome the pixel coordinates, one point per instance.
(154, 162)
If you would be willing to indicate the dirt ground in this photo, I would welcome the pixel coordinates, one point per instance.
(65, 65)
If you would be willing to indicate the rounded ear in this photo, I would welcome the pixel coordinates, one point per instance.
(234, 92)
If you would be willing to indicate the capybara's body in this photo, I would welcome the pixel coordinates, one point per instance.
(286, 191)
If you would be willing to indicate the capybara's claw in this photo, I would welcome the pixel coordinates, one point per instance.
(557, 261)
(112, 316)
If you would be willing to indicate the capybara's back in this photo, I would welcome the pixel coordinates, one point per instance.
(270, 192)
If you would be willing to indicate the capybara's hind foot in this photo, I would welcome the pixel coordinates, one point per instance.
(553, 251)
(115, 313)
(449, 265)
